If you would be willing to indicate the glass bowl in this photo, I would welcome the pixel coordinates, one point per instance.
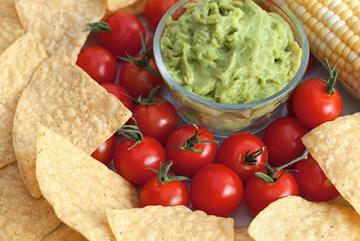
(225, 119)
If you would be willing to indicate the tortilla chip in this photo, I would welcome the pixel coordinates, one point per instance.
(340, 201)
(22, 218)
(135, 8)
(241, 234)
(293, 219)
(10, 27)
(335, 146)
(114, 5)
(61, 25)
(17, 65)
(65, 99)
(79, 187)
(184, 225)
(64, 233)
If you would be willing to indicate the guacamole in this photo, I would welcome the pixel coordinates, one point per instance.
(230, 51)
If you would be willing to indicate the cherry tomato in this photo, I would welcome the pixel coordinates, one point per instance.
(125, 34)
(133, 160)
(138, 81)
(105, 152)
(283, 140)
(289, 104)
(191, 148)
(310, 64)
(164, 190)
(313, 105)
(244, 154)
(155, 10)
(99, 63)
(313, 183)
(216, 190)
(120, 93)
(157, 120)
(259, 193)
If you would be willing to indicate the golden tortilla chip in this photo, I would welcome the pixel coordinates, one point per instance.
(293, 219)
(22, 218)
(79, 187)
(61, 25)
(135, 8)
(17, 65)
(114, 5)
(335, 146)
(241, 234)
(183, 225)
(64, 233)
(10, 27)
(65, 99)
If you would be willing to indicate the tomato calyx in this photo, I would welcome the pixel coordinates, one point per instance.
(99, 27)
(163, 176)
(132, 132)
(250, 158)
(144, 61)
(330, 84)
(189, 145)
(271, 176)
(151, 98)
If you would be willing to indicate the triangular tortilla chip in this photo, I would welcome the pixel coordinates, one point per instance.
(10, 27)
(241, 234)
(184, 225)
(335, 146)
(114, 5)
(61, 25)
(17, 65)
(294, 219)
(64, 98)
(79, 187)
(22, 218)
(64, 233)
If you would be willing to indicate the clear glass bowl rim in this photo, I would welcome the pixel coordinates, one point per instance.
(224, 106)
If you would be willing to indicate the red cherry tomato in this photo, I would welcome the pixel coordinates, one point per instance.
(105, 152)
(164, 190)
(132, 161)
(120, 93)
(313, 183)
(191, 148)
(259, 194)
(99, 63)
(244, 154)
(313, 105)
(157, 120)
(283, 140)
(138, 81)
(155, 10)
(289, 104)
(125, 34)
(216, 190)
(310, 64)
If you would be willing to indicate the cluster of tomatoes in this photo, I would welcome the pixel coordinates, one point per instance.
(179, 165)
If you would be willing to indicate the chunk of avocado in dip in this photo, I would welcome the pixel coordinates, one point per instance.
(230, 51)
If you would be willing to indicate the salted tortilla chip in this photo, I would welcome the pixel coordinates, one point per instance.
(10, 27)
(114, 5)
(335, 146)
(184, 225)
(17, 65)
(135, 8)
(64, 98)
(293, 218)
(64, 233)
(241, 234)
(22, 218)
(79, 187)
(61, 25)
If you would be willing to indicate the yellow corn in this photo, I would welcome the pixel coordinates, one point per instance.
(333, 29)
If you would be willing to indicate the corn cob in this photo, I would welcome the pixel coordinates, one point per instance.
(333, 29)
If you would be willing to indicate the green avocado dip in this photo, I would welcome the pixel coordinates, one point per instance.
(230, 51)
